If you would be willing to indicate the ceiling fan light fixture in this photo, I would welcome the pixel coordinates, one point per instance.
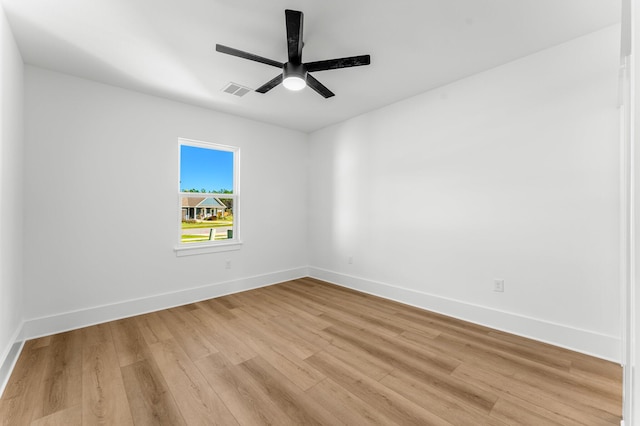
(294, 83)
(294, 77)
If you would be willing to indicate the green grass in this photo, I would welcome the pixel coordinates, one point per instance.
(187, 238)
(190, 238)
(207, 224)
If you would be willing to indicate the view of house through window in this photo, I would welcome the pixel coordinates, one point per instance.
(208, 194)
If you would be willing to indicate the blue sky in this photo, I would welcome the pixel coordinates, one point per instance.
(205, 168)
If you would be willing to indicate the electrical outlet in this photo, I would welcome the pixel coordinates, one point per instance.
(498, 285)
(350, 260)
(227, 264)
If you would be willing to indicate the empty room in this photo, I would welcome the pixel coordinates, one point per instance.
(298, 212)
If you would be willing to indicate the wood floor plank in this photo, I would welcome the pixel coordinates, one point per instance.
(510, 363)
(96, 334)
(453, 408)
(197, 401)
(256, 306)
(558, 385)
(129, 342)
(540, 356)
(563, 406)
(296, 369)
(331, 316)
(71, 416)
(371, 365)
(510, 414)
(149, 397)
(471, 353)
(608, 384)
(104, 399)
(227, 302)
(305, 352)
(509, 410)
(243, 396)
(25, 383)
(296, 404)
(372, 318)
(300, 330)
(350, 409)
(385, 401)
(41, 342)
(415, 328)
(152, 328)
(294, 302)
(190, 339)
(216, 308)
(260, 330)
(233, 301)
(62, 379)
(332, 295)
(220, 336)
(277, 335)
(532, 371)
(588, 363)
(296, 308)
(610, 371)
(32, 356)
(395, 352)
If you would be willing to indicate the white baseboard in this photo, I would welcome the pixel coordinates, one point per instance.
(584, 341)
(9, 358)
(38, 327)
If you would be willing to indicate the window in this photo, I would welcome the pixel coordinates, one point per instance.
(207, 197)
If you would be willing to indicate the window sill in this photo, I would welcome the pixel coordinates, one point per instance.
(194, 249)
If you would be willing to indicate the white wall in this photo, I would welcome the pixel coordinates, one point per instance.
(101, 197)
(510, 174)
(632, 369)
(11, 171)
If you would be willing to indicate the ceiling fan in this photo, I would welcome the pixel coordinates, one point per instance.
(295, 74)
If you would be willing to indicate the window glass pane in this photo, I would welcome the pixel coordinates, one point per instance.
(205, 170)
(206, 218)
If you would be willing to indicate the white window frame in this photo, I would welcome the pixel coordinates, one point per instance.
(187, 249)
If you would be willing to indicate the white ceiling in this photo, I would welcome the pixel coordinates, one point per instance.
(167, 47)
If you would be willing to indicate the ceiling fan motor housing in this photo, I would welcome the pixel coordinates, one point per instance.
(291, 70)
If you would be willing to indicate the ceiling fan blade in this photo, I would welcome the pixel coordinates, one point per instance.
(250, 56)
(331, 64)
(319, 87)
(294, 21)
(270, 84)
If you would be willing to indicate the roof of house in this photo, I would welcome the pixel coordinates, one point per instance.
(210, 202)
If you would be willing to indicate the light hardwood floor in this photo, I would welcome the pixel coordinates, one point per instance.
(304, 352)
